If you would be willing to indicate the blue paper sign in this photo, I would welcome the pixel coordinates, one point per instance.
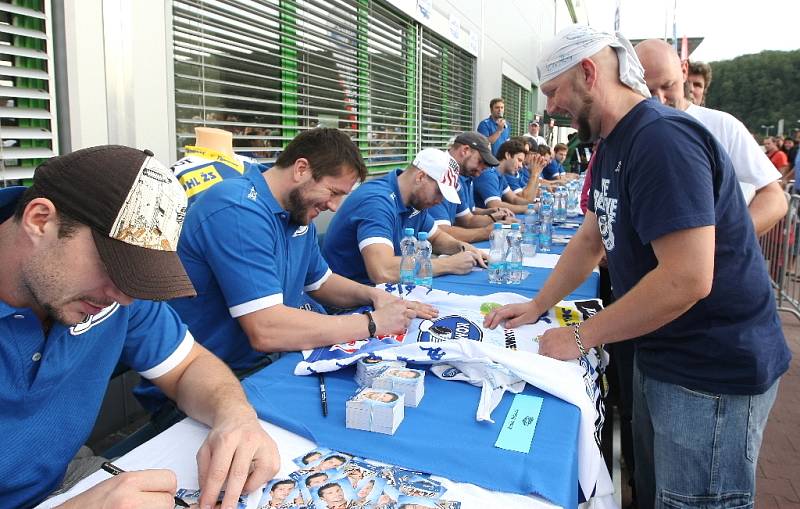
(517, 431)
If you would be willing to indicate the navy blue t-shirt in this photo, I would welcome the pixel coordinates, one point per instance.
(661, 171)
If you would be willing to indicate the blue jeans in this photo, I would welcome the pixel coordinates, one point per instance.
(695, 449)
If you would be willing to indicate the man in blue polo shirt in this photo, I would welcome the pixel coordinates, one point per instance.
(554, 172)
(250, 248)
(96, 230)
(363, 239)
(691, 285)
(464, 221)
(492, 189)
(495, 127)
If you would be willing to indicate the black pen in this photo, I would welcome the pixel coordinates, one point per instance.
(115, 470)
(323, 394)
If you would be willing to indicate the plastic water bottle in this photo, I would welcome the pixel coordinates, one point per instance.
(423, 270)
(573, 198)
(546, 230)
(560, 208)
(408, 254)
(513, 258)
(530, 235)
(547, 199)
(497, 252)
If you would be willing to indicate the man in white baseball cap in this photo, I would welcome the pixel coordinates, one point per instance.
(363, 239)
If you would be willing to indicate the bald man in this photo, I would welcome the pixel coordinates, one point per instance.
(692, 287)
(666, 78)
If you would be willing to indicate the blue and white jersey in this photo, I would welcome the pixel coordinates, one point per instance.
(202, 168)
(446, 212)
(524, 176)
(488, 126)
(373, 214)
(491, 185)
(243, 254)
(514, 182)
(52, 385)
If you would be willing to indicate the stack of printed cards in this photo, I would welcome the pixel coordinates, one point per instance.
(406, 381)
(368, 369)
(329, 479)
(375, 410)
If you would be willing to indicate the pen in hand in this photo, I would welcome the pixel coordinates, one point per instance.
(115, 470)
(323, 395)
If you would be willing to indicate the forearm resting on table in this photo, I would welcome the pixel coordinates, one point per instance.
(282, 328)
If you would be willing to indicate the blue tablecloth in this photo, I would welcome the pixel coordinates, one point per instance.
(477, 282)
(440, 436)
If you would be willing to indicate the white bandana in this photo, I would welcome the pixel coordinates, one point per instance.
(577, 42)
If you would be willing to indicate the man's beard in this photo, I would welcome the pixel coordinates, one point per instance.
(298, 207)
(582, 119)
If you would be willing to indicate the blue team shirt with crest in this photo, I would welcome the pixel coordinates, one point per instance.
(52, 385)
(659, 172)
(373, 213)
(243, 254)
(446, 212)
(490, 186)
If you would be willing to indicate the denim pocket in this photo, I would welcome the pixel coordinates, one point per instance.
(731, 500)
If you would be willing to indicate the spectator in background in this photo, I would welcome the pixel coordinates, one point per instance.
(775, 154)
(699, 79)
(665, 75)
(495, 126)
(533, 134)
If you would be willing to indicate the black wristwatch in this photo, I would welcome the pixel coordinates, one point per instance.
(372, 327)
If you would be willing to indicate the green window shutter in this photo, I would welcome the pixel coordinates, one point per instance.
(447, 90)
(269, 69)
(27, 84)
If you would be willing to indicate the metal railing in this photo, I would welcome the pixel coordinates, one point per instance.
(781, 251)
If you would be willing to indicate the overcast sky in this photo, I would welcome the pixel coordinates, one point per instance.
(730, 27)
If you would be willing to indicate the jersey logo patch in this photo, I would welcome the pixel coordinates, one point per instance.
(253, 194)
(300, 231)
(92, 320)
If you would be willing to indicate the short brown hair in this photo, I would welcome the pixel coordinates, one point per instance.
(495, 101)
(510, 147)
(544, 150)
(704, 70)
(329, 151)
(559, 147)
(66, 224)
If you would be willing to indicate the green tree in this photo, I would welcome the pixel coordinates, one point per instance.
(758, 89)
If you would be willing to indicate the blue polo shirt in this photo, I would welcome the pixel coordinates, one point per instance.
(491, 185)
(446, 213)
(373, 213)
(660, 171)
(514, 182)
(488, 126)
(524, 176)
(553, 170)
(52, 386)
(242, 254)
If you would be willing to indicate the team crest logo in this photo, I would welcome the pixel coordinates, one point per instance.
(448, 328)
(300, 231)
(92, 320)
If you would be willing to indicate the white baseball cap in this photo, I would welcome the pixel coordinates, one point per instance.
(442, 168)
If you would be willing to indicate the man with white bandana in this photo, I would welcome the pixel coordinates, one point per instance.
(685, 265)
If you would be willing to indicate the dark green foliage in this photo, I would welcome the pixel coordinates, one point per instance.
(758, 89)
